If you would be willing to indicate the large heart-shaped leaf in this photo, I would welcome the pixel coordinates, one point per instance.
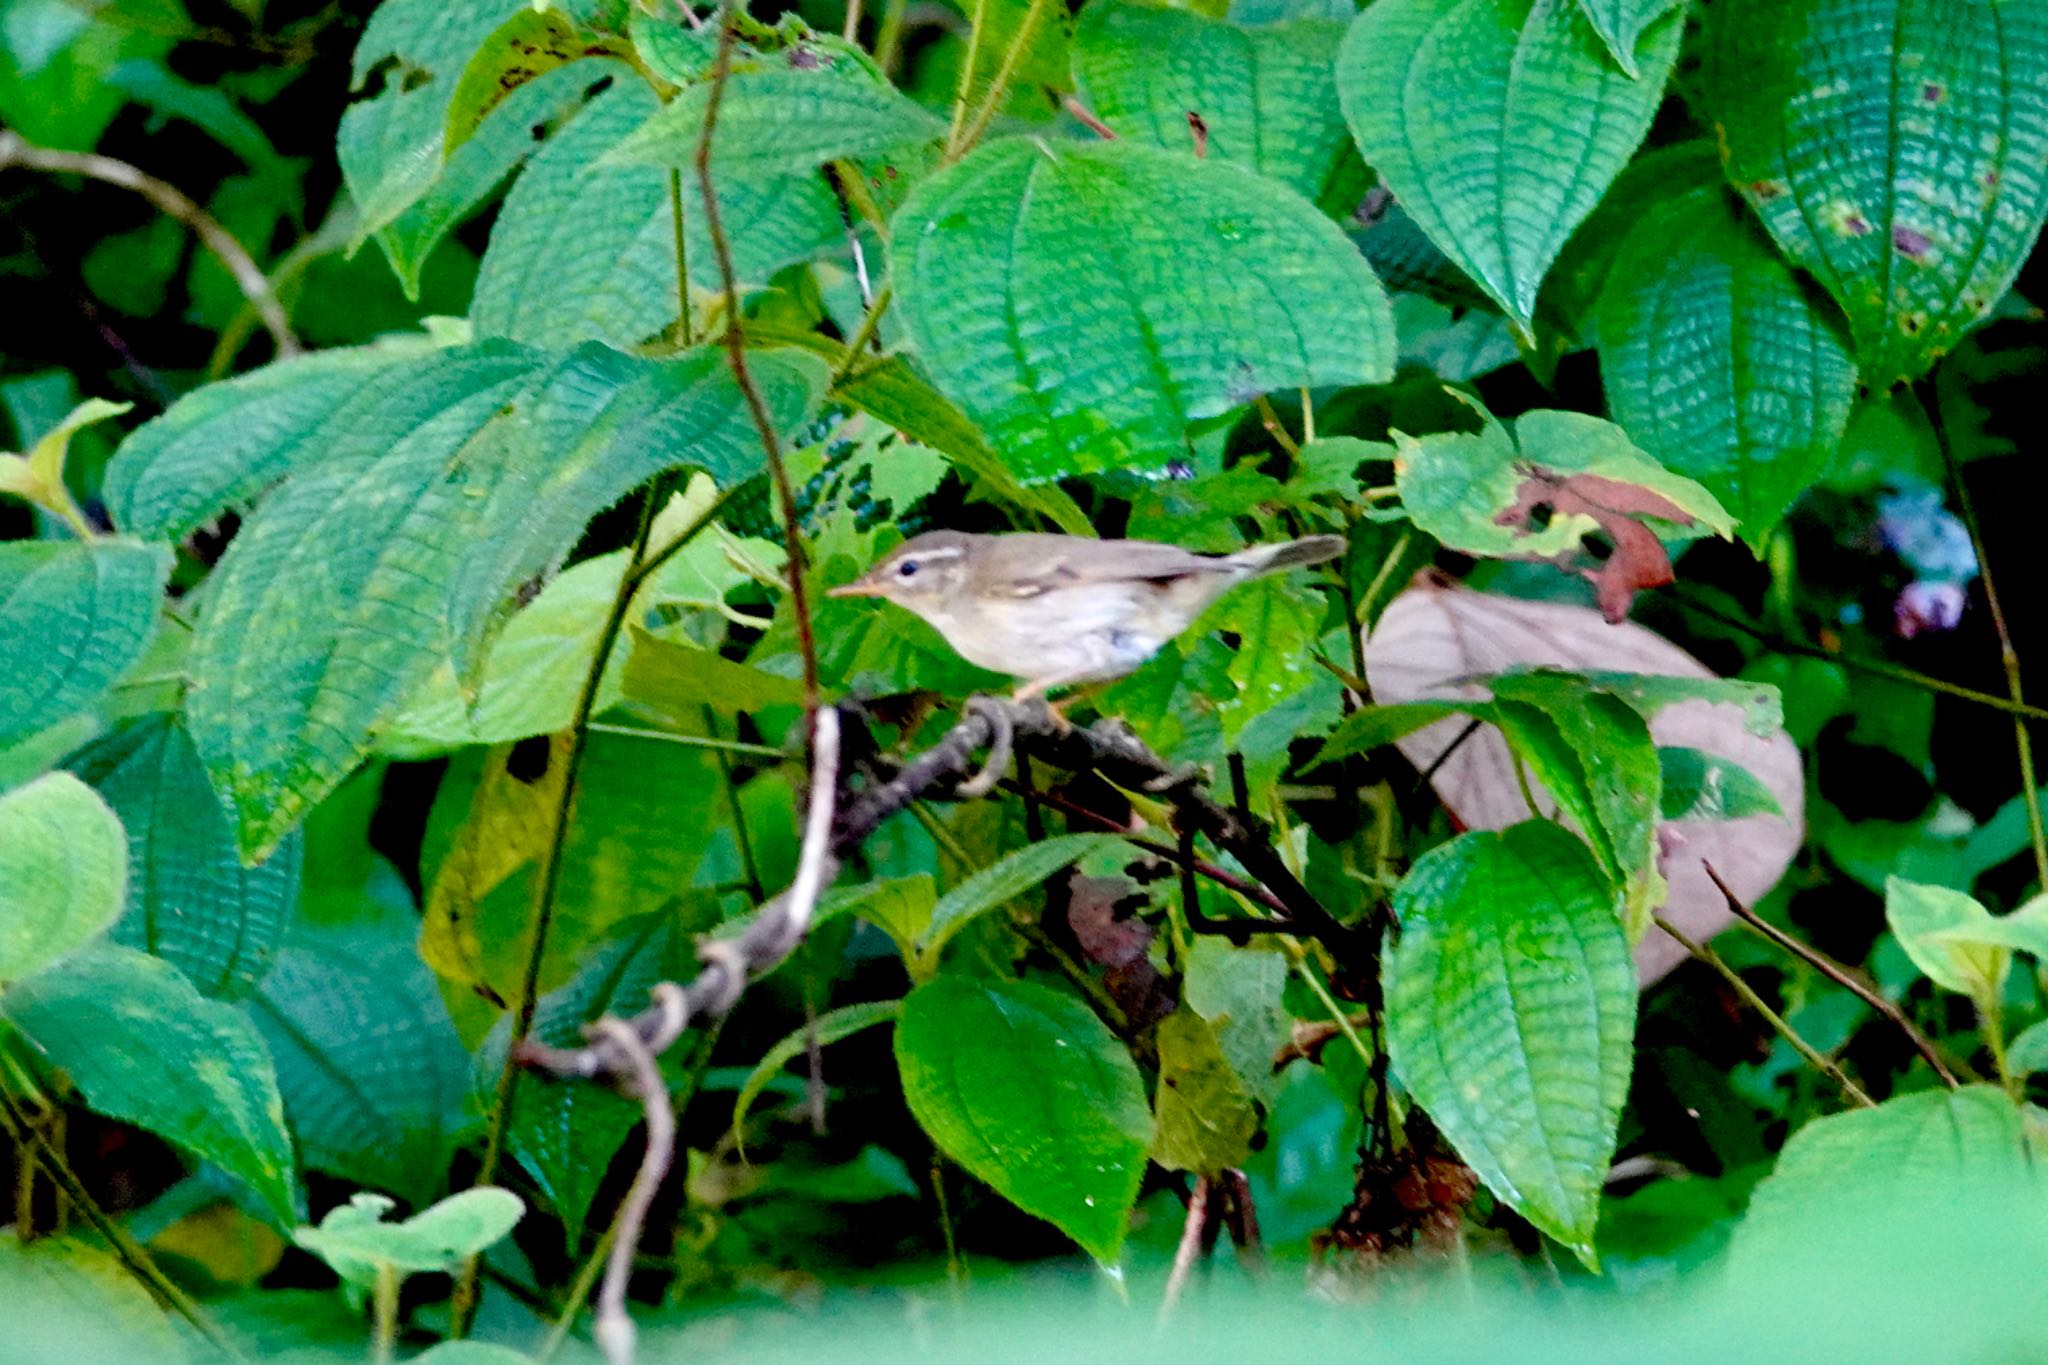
(63, 865)
(1498, 124)
(1266, 97)
(1032, 1093)
(190, 900)
(73, 617)
(1511, 1016)
(1719, 361)
(1200, 286)
(1897, 149)
(144, 1047)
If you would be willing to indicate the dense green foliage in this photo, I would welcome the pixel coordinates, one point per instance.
(430, 430)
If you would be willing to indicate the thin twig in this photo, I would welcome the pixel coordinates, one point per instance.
(736, 354)
(1837, 973)
(579, 1292)
(173, 202)
(1087, 119)
(1772, 1017)
(29, 1140)
(1270, 420)
(1194, 1231)
(2030, 790)
(612, 1325)
(682, 249)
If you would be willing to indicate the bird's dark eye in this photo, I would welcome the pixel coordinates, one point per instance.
(907, 569)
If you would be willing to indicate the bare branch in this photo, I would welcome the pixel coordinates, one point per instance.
(172, 201)
(1194, 1234)
(613, 1325)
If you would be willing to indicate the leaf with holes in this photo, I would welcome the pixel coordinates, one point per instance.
(1511, 1016)
(73, 618)
(63, 866)
(190, 901)
(1498, 125)
(1720, 362)
(1032, 1093)
(1897, 149)
(1266, 96)
(1202, 286)
(142, 1046)
(361, 574)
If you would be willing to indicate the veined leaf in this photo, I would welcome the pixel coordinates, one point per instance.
(782, 122)
(73, 617)
(1267, 96)
(1372, 727)
(190, 901)
(677, 679)
(1206, 1120)
(1511, 1016)
(355, 1240)
(1203, 286)
(525, 48)
(63, 865)
(1950, 936)
(1498, 124)
(1003, 881)
(356, 578)
(1719, 363)
(1620, 24)
(1032, 1093)
(585, 248)
(1897, 149)
(826, 1029)
(1703, 786)
(144, 1047)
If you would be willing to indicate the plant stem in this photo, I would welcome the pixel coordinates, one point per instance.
(675, 209)
(977, 22)
(1777, 1021)
(999, 88)
(723, 746)
(2022, 741)
(1275, 428)
(739, 816)
(870, 322)
(1297, 957)
(579, 1294)
(385, 1300)
(889, 35)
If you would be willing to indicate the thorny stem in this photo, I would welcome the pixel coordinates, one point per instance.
(977, 24)
(2030, 789)
(999, 88)
(28, 1139)
(736, 353)
(1772, 1017)
(173, 202)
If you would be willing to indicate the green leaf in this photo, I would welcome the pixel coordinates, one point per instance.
(1375, 727)
(2028, 1053)
(1267, 95)
(1950, 936)
(1718, 362)
(368, 1064)
(190, 901)
(1898, 151)
(1206, 1120)
(359, 576)
(1280, 619)
(1238, 990)
(222, 444)
(1511, 1016)
(585, 249)
(828, 1028)
(1065, 361)
(73, 617)
(782, 122)
(37, 474)
(63, 866)
(146, 1048)
(1762, 705)
(1498, 124)
(1004, 881)
(678, 679)
(94, 1306)
(354, 1239)
(900, 907)
(1620, 24)
(1855, 1170)
(1032, 1093)
(1704, 786)
(529, 45)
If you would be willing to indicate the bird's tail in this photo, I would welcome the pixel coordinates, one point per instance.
(1288, 554)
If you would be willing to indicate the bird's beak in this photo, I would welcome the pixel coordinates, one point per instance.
(858, 588)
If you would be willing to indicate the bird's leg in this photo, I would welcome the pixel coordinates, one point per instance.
(1038, 687)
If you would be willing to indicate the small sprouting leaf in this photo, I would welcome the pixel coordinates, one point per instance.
(1206, 1120)
(143, 1046)
(1266, 96)
(1029, 1091)
(1719, 361)
(63, 869)
(1898, 151)
(1004, 881)
(1704, 786)
(73, 617)
(1950, 936)
(1511, 1016)
(1067, 366)
(826, 1029)
(190, 900)
(1498, 125)
(355, 1240)
(37, 473)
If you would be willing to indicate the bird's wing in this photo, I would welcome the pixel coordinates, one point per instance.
(1036, 564)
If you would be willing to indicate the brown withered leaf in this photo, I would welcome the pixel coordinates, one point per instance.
(1639, 559)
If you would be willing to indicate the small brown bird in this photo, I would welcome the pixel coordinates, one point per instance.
(1055, 610)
